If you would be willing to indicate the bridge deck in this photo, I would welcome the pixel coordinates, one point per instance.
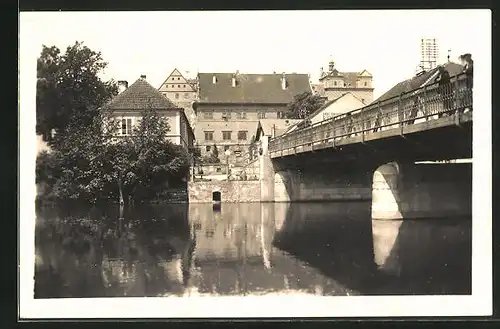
(423, 109)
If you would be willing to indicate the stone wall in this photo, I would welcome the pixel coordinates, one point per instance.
(321, 184)
(231, 191)
(252, 169)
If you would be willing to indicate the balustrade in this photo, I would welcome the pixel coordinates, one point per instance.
(421, 104)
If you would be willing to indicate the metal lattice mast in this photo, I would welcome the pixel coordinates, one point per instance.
(429, 53)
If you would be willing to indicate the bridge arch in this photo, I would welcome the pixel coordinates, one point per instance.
(385, 191)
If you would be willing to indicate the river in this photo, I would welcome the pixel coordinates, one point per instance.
(247, 249)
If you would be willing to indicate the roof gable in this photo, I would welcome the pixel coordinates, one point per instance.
(175, 78)
(365, 73)
(251, 88)
(280, 125)
(330, 103)
(140, 96)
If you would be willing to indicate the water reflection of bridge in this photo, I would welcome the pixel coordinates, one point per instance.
(317, 248)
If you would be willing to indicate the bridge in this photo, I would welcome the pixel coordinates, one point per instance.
(374, 153)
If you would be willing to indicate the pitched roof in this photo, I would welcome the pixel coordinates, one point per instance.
(350, 78)
(251, 88)
(281, 125)
(419, 81)
(139, 96)
(330, 103)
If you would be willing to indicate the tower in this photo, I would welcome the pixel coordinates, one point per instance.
(331, 65)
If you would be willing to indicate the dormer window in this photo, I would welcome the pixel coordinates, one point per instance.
(284, 83)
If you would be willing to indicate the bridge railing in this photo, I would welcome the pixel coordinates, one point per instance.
(421, 104)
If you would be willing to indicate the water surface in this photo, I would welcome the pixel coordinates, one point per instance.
(247, 249)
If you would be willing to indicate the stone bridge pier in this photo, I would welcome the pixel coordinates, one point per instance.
(398, 190)
(426, 190)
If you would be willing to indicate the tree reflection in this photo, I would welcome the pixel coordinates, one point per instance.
(110, 252)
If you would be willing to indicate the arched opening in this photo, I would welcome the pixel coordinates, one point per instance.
(216, 196)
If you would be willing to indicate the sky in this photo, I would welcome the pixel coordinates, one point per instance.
(386, 43)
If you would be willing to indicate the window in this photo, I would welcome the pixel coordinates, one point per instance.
(334, 83)
(186, 95)
(208, 115)
(126, 127)
(237, 153)
(173, 86)
(207, 148)
(281, 115)
(209, 135)
(262, 115)
(226, 147)
(226, 135)
(242, 135)
(242, 115)
(176, 95)
(178, 86)
(226, 115)
(366, 84)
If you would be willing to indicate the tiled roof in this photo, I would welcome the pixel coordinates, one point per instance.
(350, 78)
(251, 88)
(419, 81)
(139, 96)
(280, 125)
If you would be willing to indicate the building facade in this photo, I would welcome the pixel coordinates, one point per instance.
(334, 84)
(230, 106)
(180, 91)
(129, 104)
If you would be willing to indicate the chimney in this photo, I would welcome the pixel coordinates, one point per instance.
(233, 80)
(214, 79)
(122, 86)
(283, 81)
(143, 76)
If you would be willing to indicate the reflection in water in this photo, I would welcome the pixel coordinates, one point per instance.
(247, 248)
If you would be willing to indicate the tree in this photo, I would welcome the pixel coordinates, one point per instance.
(252, 148)
(303, 105)
(92, 164)
(68, 85)
(213, 156)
